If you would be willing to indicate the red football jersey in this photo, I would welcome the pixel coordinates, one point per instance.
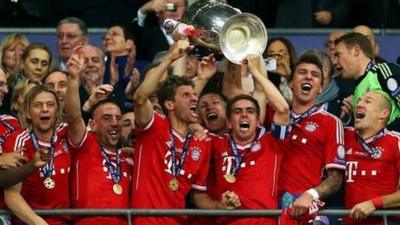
(152, 170)
(92, 184)
(315, 143)
(33, 189)
(368, 177)
(8, 124)
(257, 179)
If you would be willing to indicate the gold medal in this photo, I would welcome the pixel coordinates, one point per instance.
(230, 178)
(173, 184)
(49, 183)
(117, 189)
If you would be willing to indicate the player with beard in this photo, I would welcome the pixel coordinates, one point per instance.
(168, 162)
(48, 187)
(372, 158)
(128, 130)
(100, 177)
(315, 143)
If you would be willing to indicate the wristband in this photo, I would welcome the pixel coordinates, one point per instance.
(313, 193)
(378, 202)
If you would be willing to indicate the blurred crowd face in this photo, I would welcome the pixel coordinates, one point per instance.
(367, 32)
(280, 52)
(93, 70)
(330, 43)
(58, 81)
(173, 14)
(12, 55)
(3, 86)
(128, 130)
(114, 41)
(69, 35)
(212, 112)
(36, 64)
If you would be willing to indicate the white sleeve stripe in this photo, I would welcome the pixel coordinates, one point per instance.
(150, 123)
(199, 187)
(335, 166)
(81, 142)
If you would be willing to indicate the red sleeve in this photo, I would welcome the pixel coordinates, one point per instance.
(334, 144)
(269, 116)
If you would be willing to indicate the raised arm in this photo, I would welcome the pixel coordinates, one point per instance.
(232, 80)
(143, 107)
(206, 69)
(272, 94)
(77, 128)
(18, 205)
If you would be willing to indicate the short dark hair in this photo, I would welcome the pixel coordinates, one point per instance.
(53, 71)
(100, 103)
(128, 33)
(238, 98)
(352, 39)
(309, 58)
(168, 89)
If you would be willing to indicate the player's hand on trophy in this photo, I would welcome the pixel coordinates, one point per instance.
(256, 65)
(229, 200)
(301, 205)
(362, 210)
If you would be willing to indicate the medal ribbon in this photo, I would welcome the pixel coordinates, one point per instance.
(236, 154)
(371, 150)
(175, 169)
(114, 171)
(47, 170)
(294, 119)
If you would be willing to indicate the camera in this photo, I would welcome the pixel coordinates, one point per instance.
(172, 7)
(271, 64)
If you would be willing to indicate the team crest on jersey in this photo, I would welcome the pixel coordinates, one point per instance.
(341, 152)
(195, 153)
(311, 126)
(256, 148)
(377, 153)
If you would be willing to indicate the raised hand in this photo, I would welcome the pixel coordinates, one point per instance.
(229, 200)
(41, 158)
(179, 49)
(76, 62)
(207, 67)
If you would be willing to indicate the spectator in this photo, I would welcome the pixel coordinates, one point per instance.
(314, 142)
(283, 51)
(17, 100)
(70, 32)
(34, 65)
(372, 154)
(57, 80)
(12, 46)
(367, 32)
(152, 38)
(330, 43)
(307, 14)
(95, 153)
(47, 188)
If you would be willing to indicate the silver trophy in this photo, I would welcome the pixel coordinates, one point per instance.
(220, 27)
